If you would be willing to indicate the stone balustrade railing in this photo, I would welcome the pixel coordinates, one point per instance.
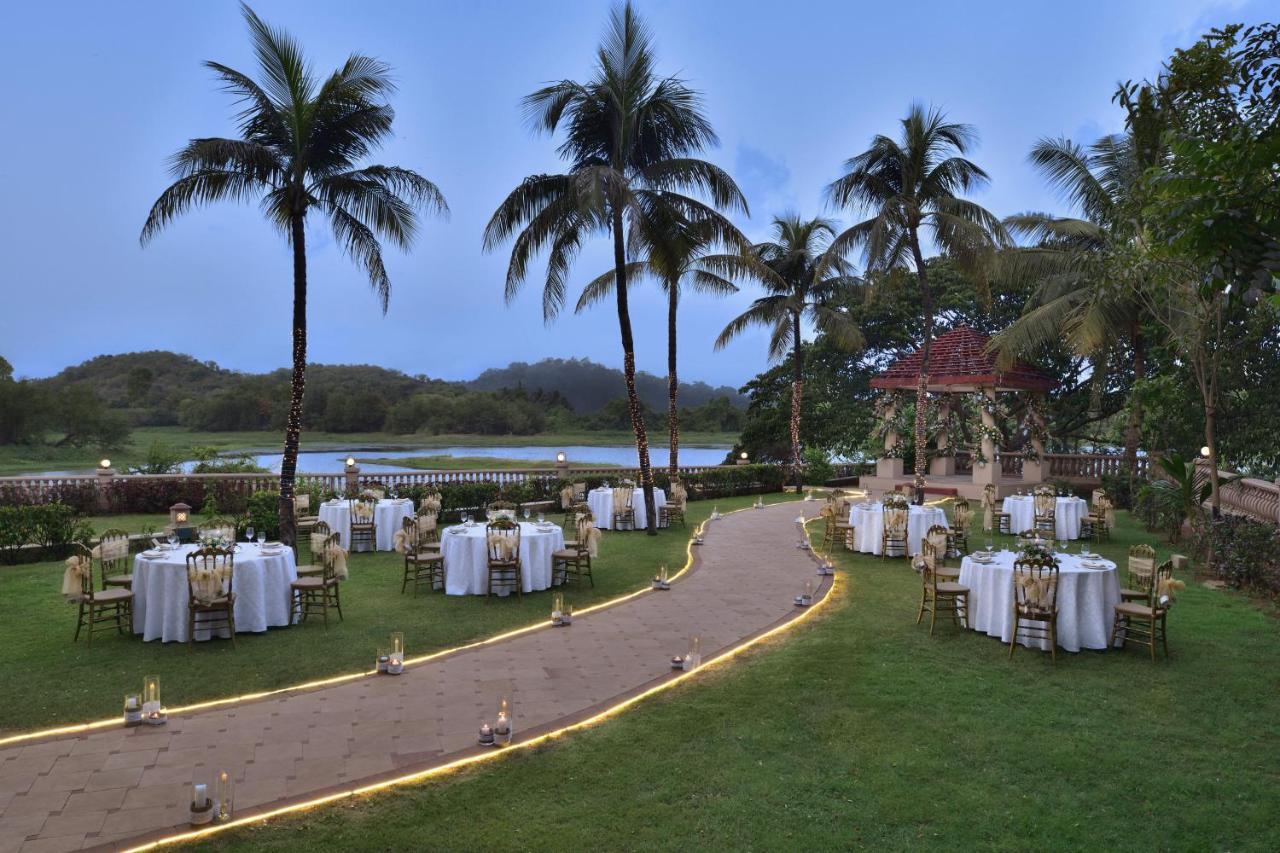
(1247, 496)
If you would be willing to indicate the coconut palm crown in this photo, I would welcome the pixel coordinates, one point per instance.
(805, 283)
(910, 185)
(301, 138)
(628, 137)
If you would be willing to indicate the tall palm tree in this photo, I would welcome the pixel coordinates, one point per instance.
(629, 134)
(805, 281)
(1074, 298)
(908, 185)
(300, 140)
(685, 258)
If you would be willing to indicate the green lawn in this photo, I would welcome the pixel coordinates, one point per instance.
(858, 730)
(60, 681)
(464, 463)
(21, 459)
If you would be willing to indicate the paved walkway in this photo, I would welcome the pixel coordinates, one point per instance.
(118, 786)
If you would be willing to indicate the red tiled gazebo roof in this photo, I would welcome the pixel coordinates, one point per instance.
(959, 361)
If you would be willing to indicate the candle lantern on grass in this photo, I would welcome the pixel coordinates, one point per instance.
(557, 609)
(395, 657)
(132, 709)
(152, 711)
(805, 598)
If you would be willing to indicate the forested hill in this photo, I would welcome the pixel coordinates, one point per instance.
(589, 386)
(110, 393)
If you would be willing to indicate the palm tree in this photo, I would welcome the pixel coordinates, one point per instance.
(683, 259)
(907, 185)
(805, 281)
(300, 140)
(1074, 299)
(629, 134)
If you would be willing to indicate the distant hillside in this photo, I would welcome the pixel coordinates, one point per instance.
(589, 386)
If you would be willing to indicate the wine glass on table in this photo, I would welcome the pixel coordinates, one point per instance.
(248, 533)
(526, 513)
(262, 538)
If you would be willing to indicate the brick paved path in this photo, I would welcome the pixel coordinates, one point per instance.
(115, 786)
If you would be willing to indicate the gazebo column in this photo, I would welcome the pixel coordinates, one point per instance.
(1033, 471)
(944, 464)
(989, 473)
(889, 465)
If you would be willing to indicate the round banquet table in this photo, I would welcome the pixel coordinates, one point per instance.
(1086, 600)
(387, 515)
(466, 557)
(868, 525)
(601, 503)
(1067, 515)
(261, 586)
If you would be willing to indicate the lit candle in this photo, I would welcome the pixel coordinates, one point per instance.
(502, 727)
(200, 797)
(486, 734)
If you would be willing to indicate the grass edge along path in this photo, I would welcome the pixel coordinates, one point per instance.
(36, 635)
(835, 738)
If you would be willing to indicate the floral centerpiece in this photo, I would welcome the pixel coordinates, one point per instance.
(369, 495)
(1045, 491)
(896, 500)
(215, 540)
(1035, 551)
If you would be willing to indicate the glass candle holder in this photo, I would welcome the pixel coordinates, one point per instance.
(150, 693)
(225, 794)
(557, 607)
(382, 659)
(502, 726)
(693, 659)
(132, 709)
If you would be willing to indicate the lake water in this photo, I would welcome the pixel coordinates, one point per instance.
(331, 461)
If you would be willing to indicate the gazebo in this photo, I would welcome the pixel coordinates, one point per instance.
(959, 363)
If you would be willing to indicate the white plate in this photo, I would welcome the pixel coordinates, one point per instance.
(152, 555)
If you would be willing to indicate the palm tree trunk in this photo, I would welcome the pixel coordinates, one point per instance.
(673, 382)
(629, 371)
(293, 425)
(922, 384)
(797, 392)
(1135, 407)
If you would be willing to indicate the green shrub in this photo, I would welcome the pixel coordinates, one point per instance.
(263, 513)
(817, 469)
(1245, 552)
(52, 526)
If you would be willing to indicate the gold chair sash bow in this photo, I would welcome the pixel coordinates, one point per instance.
(589, 537)
(1038, 590)
(566, 497)
(78, 570)
(317, 542)
(361, 511)
(895, 521)
(429, 505)
(113, 549)
(679, 496)
(337, 556)
(207, 582)
(1166, 590)
(988, 506)
(504, 546)
(621, 498)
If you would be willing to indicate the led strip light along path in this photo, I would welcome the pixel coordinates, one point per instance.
(117, 788)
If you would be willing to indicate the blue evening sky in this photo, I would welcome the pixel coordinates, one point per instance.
(101, 94)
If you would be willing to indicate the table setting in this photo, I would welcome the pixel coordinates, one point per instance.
(1068, 513)
(1088, 590)
(601, 501)
(867, 519)
(466, 555)
(388, 514)
(262, 571)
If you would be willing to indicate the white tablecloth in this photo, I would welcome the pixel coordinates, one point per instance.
(261, 587)
(466, 557)
(1086, 600)
(387, 515)
(868, 525)
(1067, 515)
(601, 503)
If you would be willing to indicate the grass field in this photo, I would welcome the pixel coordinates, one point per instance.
(22, 459)
(858, 730)
(60, 681)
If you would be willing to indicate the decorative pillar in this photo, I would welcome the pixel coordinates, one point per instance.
(352, 472)
(890, 465)
(944, 464)
(1033, 466)
(105, 475)
(990, 471)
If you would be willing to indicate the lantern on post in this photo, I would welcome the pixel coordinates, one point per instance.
(743, 458)
(180, 521)
(352, 472)
(562, 464)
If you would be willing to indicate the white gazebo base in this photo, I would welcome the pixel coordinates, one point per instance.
(944, 485)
